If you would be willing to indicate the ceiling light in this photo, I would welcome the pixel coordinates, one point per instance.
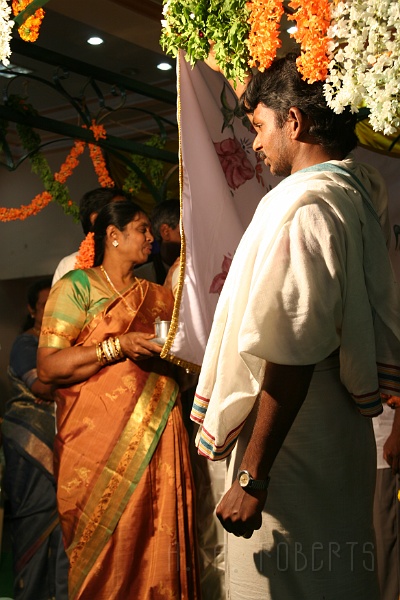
(164, 66)
(95, 41)
(292, 29)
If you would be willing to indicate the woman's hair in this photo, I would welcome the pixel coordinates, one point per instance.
(118, 214)
(33, 296)
(281, 87)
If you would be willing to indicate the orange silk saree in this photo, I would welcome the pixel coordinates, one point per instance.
(125, 492)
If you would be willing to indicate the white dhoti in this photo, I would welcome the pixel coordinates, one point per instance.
(332, 450)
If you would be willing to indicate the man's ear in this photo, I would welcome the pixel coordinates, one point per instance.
(93, 217)
(297, 123)
(165, 232)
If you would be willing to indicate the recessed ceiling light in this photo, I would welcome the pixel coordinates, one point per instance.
(164, 66)
(95, 41)
(292, 29)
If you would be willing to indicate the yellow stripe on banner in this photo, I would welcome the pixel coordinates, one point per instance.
(165, 352)
(120, 476)
(376, 141)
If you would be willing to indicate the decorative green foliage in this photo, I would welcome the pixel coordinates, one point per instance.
(191, 24)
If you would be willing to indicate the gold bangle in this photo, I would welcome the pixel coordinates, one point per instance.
(113, 348)
(107, 352)
(118, 347)
(99, 353)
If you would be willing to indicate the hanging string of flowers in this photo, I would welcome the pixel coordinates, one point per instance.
(364, 68)
(190, 24)
(97, 157)
(352, 45)
(264, 41)
(29, 30)
(150, 166)
(6, 25)
(55, 188)
(312, 21)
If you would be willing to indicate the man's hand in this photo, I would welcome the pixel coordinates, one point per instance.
(240, 511)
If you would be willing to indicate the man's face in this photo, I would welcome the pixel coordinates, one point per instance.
(271, 142)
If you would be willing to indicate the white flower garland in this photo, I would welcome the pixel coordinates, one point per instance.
(6, 25)
(365, 60)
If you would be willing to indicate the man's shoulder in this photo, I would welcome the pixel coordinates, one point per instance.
(65, 265)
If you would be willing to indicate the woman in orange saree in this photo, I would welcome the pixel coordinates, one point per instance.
(124, 481)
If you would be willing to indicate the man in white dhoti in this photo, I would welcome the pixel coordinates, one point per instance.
(306, 336)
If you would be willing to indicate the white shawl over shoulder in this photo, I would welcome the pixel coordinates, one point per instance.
(310, 275)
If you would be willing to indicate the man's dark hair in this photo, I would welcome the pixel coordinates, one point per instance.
(281, 87)
(33, 295)
(94, 200)
(167, 212)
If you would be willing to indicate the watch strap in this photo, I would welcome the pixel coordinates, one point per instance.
(258, 484)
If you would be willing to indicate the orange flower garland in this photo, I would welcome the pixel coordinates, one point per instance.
(71, 162)
(38, 203)
(263, 40)
(313, 19)
(29, 30)
(43, 199)
(85, 258)
(96, 155)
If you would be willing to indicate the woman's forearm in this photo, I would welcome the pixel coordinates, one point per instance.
(67, 366)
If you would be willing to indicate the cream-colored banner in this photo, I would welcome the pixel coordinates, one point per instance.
(221, 184)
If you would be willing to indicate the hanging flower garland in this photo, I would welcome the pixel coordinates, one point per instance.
(6, 25)
(55, 184)
(353, 45)
(365, 61)
(71, 162)
(150, 166)
(190, 24)
(263, 42)
(97, 157)
(312, 19)
(29, 30)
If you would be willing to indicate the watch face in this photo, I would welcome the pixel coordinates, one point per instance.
(244, 478)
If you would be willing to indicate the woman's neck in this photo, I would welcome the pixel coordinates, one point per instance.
(119, 274)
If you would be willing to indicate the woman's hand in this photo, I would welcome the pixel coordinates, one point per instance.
(237, 86)
(136, 345)
(211, 60)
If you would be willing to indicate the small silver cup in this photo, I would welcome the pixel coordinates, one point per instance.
(161, 329)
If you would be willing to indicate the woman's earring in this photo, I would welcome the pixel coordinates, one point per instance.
(115, 243)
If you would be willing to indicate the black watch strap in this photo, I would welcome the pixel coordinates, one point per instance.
(248, 482)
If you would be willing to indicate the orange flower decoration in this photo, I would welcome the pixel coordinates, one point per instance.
(264, 39)
(85, 258)
(313, 19)
(71, 162)
(25, 211)
(29, 30)
(97, 157)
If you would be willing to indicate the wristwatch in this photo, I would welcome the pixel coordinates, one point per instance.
(246, 481)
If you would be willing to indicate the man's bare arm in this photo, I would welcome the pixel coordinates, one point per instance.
(283, 393)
